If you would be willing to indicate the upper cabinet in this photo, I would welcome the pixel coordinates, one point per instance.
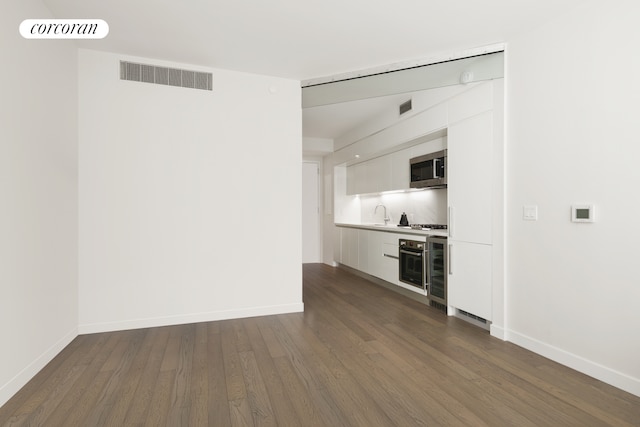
(357, 179)
(372, 176)
(390, 171)
(400, 175)
(379, 174)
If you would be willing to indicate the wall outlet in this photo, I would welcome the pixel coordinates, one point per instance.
(530, 213)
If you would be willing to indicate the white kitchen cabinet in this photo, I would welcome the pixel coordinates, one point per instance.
(342, 255)
(378, 174)
(400, 176)
(382, 255)
(470, 279)
(351, 180)
(363, 250)
(349, 247)
(357, 179)
(389, 263)
(390, 171)
(355, 246)
(470, 200)
(372, 176)
(375, 254)
(469, 176)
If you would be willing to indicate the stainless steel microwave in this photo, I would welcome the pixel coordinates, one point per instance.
(429, 171)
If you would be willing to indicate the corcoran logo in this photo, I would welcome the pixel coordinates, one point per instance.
(64, 29)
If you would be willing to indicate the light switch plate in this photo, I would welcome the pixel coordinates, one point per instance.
(530, 213)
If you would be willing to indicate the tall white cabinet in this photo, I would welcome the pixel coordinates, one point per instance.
(469, 179)
(471, 164)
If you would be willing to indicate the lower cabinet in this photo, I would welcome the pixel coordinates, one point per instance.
(470, 279)
(372, 252)
(383, 256)
(470, 266)
(389, 263)
(375, 254)
(363, 250)
(349, 247)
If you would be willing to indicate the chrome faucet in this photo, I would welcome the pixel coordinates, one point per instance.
(386, 218)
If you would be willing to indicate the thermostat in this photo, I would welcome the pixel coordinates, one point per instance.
(582, 213)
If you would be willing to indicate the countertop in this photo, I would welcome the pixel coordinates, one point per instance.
(394, 228)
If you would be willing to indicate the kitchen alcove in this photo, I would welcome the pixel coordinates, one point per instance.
(444, 95)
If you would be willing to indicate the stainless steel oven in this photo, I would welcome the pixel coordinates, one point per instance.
(424, 265)
(412, 263)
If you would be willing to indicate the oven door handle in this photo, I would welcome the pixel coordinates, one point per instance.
(415, 253)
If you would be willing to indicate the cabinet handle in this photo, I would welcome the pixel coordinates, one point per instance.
(391, 256)
(402, 251)
(449, 259)
(450, 220)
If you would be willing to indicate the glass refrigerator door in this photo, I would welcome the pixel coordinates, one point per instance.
(438, 270)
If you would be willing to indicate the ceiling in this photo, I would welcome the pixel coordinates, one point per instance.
(303, 39)
(331, 121)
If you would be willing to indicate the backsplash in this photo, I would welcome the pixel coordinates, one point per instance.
(421, 207)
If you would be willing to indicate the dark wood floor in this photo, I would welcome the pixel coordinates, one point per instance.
(360, 355)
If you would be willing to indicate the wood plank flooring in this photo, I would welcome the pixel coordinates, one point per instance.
(360, 355)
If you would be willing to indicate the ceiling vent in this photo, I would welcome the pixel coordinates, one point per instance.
(405, 107)
(165, 76)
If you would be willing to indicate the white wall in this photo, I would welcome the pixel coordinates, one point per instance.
(189, 200)
(573, 290)
(316, 147)
(38, 195)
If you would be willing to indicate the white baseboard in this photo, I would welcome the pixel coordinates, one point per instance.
(92, 328)
(498, 332)
(23, 377)
(580, 364)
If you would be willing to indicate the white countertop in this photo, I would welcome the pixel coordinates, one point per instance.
(393, 228)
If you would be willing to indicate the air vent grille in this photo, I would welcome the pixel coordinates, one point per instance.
(405, 107)
(472, 316)
(165, 76)
(438, 306)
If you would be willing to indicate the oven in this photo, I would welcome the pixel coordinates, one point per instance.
(412, 263)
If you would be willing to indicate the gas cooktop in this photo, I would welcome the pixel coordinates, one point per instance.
(428, 226)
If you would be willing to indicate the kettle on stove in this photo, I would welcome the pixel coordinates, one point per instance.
(403, 219)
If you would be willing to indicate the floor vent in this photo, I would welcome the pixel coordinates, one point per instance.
(472, 316)
(165, 76)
